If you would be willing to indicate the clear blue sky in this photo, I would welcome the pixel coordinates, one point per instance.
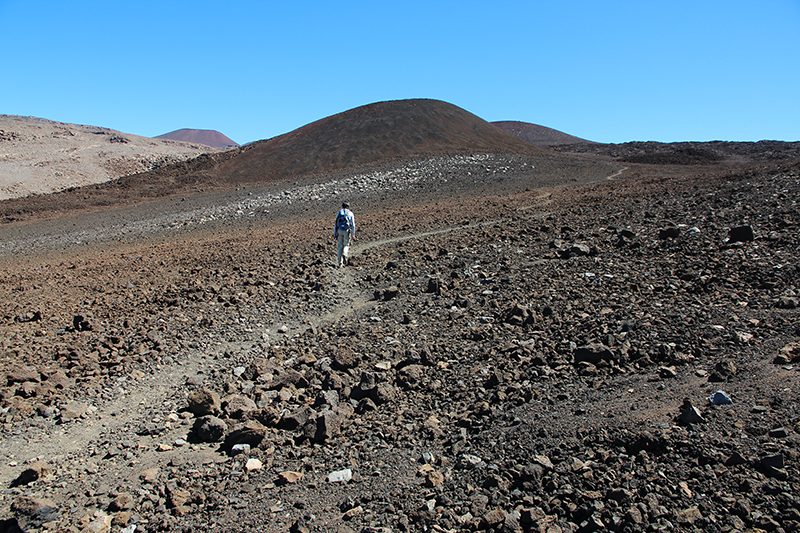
(608, 71)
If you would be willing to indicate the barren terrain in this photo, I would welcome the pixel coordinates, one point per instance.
(39, 156)
(514, 346)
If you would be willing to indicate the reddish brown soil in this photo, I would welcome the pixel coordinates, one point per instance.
(508, 350)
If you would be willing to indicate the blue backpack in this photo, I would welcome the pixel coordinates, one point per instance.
(342, 224)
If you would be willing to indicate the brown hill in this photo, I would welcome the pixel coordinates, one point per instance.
(538, 135)
(370, 134)
(384, 133)
(210, 138)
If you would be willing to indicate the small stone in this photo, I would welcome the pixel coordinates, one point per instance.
(735, 459)
(689, 516)
(74, 410)
(720, 398)
(434, 479)
(34, 472)
(289, 476)
(778, 433)
(210, 429)
(122, 519)
(352, 513)
(667, 372)
(253, 464)
(741, 234)
(774, 466)
(543, 461)
(470, 461)
(251, 432)
(723, 371)
(124, 501)
(773, 461)
(237, 405)
(39, 509)
(204, 402)
(593, 353)
(690, 414)
(238, 449)
(672, 232)
(299, 527)
(579, 250)
(177, 497)
(101, 524)
(788, 354)
(493, 518)
(340, 476)
(23, 374)
(150, 475)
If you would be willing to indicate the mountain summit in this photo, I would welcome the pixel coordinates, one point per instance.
(210, 138)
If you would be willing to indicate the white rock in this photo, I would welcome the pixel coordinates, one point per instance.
(340, 476)
(252, 465)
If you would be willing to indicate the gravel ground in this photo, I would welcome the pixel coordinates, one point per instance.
(501, 354)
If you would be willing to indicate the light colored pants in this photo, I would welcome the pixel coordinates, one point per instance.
(343, 242)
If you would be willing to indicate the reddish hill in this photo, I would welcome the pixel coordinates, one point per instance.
(538, 135)
(371, 134)
(210, 138)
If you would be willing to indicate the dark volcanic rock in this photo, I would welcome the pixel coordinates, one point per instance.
(522, 368)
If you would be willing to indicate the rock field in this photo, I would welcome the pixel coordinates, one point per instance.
(499, 355)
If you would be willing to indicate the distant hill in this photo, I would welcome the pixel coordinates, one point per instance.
(210, 138)
(40, 156)
(538, 135)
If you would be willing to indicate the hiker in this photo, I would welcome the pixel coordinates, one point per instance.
(344, 231)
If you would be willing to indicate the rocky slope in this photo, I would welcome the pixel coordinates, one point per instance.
(538, 135)
(502, 354)
(39, 156)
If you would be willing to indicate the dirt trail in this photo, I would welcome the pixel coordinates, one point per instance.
(150, 392)
(141, 401)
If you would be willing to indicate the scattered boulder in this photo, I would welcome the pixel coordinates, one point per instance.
(209, 428)
(251, 432)
(723, 371)
(671, 232)
(236, 406)
(204, 402)
(595, 353)
(690, 414)
(32, 512)
(33, 472)
(790, 353)
(741, 234)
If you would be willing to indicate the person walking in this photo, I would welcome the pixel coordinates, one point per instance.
(344, 231)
